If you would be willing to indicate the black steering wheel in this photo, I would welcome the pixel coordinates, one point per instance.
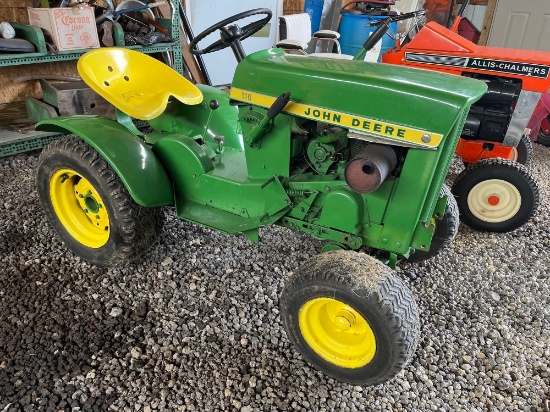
(233, 34)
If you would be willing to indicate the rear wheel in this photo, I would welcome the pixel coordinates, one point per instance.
(89, 207)
(445, 229)
(351, 317)
(544, 132)
(496, 195)
(524, 150)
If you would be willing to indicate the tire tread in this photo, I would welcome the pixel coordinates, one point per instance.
(504, 167)
(138, 226)
(378, 285)
(451, 219)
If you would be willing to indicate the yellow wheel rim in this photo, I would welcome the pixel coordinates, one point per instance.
(79, 208)
(337, 332)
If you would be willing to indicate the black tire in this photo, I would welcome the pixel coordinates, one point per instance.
(445, 230)
(544, 133)
(507, 183)
(543, 139)
(525, 150)
(126, 229)
(326, 304)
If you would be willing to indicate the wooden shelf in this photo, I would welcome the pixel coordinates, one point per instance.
(15, 139)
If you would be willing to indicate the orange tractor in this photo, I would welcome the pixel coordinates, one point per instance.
(495, 192)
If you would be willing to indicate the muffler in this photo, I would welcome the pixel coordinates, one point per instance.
(370, 167)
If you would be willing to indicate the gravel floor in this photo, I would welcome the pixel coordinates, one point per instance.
(195, 325)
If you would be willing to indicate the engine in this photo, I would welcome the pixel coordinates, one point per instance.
(328, 150)
(489, 118)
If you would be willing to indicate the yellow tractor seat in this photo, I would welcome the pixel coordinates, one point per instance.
(134, 82)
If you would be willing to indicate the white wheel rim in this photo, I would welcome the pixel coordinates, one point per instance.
(494, 200)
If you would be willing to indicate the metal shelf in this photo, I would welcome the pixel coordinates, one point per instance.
(12, 142)
(32, 58)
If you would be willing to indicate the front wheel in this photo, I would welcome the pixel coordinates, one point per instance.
(445, 229)
(89, 207)
(496, 195)
(351, 317)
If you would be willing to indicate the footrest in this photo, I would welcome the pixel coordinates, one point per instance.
(224, 221)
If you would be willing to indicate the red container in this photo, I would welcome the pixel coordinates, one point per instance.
(467, 30)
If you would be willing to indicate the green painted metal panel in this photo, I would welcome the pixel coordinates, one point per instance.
(343, 209)
(227, 222)
(407, 201)
(202, 120)
(373, 204)
(443, 166)
(383, 92)
(39, 110)
(251, 204)
(322, 232)
(185, 160)
(416, 194)
(252, 198)
(217, 191)
(134, 161)
(271, 154)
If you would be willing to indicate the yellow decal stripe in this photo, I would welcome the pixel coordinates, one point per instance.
(362, 124)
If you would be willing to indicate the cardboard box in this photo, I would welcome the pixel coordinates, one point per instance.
(70, 28)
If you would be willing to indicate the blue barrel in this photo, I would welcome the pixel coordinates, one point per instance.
(315, 9)
(353, 32)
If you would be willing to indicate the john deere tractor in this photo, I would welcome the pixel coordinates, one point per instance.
(352, 153)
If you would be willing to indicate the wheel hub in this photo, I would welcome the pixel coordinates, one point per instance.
(80, 208)
(92, 205)
(344, 321)
(337, 332)
(494, 200)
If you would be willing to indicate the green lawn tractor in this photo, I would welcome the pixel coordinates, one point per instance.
(346, 151)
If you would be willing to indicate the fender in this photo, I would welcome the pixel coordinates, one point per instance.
(133, 161)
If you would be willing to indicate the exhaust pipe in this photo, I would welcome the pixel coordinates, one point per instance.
(370, 167)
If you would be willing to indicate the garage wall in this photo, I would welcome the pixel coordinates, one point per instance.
(293, 6)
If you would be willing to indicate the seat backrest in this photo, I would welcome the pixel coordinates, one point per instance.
(295, 27)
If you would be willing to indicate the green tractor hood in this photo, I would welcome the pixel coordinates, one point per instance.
(372, 98)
